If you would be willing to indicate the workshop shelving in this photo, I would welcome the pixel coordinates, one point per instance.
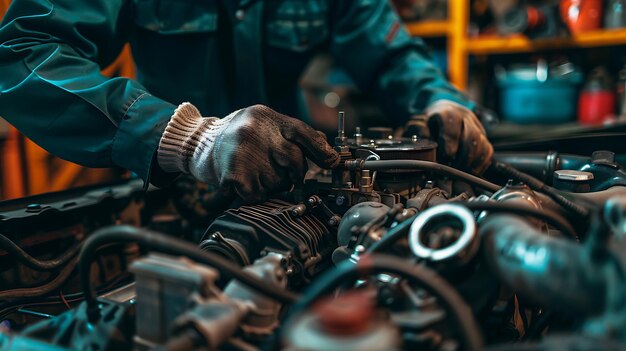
(489, 45)
(428, 29)
(461, 46)
(454, 29)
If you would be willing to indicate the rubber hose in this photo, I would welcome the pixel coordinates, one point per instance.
(31, 262)
(553, 272)
(165, 244)
(432, 167)
(537, 185)
(44, 289)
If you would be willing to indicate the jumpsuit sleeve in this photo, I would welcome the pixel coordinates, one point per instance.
(51, 89)
(371, 44)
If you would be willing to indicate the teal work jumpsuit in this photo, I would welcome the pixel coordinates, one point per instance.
(220, 55)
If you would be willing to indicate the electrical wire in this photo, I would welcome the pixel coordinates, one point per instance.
(43, 289)
(12, 306)
(422, 276)
(538, 185)
(64, 300)
(31, 262)
(162, 243)
(425, 166)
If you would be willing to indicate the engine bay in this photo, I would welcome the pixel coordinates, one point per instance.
(389, 251)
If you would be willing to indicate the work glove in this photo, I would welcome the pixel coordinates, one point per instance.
(250, 153)
(462, 139)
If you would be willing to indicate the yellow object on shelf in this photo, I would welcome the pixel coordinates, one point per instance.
(488, 45)
(428, 28)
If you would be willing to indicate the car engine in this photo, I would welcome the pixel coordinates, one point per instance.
(389, 251)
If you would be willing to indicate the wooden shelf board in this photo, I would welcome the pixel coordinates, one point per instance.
(519, 43)
(429, 28)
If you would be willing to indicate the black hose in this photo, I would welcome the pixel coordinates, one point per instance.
(51, 300)
(553, 272)
(425, 166)
(48, 265)
(549, 216)
(162, 243)
(44, 289)
(426, 278)
(537, 185)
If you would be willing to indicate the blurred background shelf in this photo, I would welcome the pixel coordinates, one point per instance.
(584, 65)
(461, 46)
(487, 45)
(430, 29)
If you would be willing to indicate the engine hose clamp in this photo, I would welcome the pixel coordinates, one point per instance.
(456, 215)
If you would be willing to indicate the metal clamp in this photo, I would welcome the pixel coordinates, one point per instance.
(424, 221)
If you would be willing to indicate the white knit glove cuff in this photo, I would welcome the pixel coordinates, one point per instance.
(444, 103)
(188, 139)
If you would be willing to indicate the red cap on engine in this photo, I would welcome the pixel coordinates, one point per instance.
(348, 314)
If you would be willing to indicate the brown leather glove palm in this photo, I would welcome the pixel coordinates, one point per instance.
(251, 153)
(461, 137)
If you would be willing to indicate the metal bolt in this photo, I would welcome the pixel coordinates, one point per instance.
(341, 124)
(334, 221)
(340, 200)
(358, 136)
(33, 207)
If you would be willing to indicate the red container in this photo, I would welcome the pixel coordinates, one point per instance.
(596, 107)
(582, 15)
(596, 104)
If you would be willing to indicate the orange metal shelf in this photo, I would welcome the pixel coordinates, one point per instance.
(488, 45)
(429, 28)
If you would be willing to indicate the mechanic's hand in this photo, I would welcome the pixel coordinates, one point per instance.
(461, 137)
(250, 153)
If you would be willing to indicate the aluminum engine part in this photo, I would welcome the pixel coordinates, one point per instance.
(519, 194)
(262, 318)
(165, 287)
(246, 233)
(405, 182)
(444, 234)
(239, 311)
(175, 295)
(359, 215)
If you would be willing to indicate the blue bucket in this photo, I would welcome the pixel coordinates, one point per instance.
(527, 100)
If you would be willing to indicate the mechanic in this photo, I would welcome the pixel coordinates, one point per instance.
(221, 56)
